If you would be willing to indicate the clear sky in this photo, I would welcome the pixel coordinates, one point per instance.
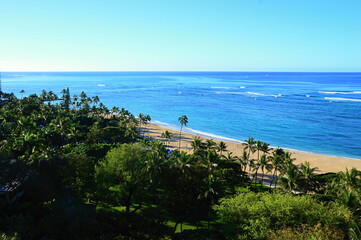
(191, 35)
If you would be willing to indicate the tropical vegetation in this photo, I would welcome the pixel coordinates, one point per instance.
(71, 168)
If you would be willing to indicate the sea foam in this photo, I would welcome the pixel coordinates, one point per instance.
(343, 99)
(228, 87)
(345, 92)
(262, 94)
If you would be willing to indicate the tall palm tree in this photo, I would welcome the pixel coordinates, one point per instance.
(146, 120)
(96, 100)
(244, 159)
(183, 120)
(277, 161)
(265, 148)
(210, 192)
(75, 101)
(141, 118)
(255, 167)
(258, 147)
(250, 146)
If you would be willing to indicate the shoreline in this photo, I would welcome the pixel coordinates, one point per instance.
(226, 139)
(324, 163)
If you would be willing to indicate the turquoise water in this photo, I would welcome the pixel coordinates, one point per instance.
(314, 112)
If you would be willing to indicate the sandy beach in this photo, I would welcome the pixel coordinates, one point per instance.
(323, 163)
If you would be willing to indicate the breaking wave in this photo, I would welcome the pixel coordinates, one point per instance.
(267, 95)
(343, 99)
(341, 92)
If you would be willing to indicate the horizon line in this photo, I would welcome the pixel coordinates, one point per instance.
(95, 71)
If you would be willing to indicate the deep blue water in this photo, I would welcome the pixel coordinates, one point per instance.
(315, 112)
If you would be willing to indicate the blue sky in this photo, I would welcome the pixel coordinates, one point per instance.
(183, 35)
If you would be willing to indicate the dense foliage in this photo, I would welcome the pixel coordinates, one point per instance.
(70, 168)
(260, 215)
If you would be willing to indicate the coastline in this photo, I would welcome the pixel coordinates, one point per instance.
(324, 163)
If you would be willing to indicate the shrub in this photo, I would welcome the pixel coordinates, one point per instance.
(257, 215)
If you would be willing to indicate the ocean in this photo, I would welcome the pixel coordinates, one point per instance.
(311, 112)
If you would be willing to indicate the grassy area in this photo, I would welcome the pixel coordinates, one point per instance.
(171, 223)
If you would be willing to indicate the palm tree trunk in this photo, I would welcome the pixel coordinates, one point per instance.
(255, 176)
(180, 138)
(273, 177)
(175, 226)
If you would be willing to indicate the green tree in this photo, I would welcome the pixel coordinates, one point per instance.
(168, 136)
(289, 178)
(183, 120)
(264, 164)
(307, 181)
(346, 188)
(197, 143)
(258, 215)
(249, 145)
(122, 174)
(221, 147)
(277, 161)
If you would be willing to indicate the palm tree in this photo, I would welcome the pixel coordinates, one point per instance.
(265, 148)
(350, 179)
(131, 133)
(264, 163)
(244, 159)
(66, 98)
(147, 120)
(210, 144)
(210, 163)
(250, 145)
(277, 161)
(258, 147)
(286, 160)
(43, 95)
(289, 178)
(96, 100)
(141, 118)
(196, 143)
(168, 136)
(307, 174)
(183, 120)
(75, 101)
(115, 110)
(183, 162)
(347, 188)
(221, 147)
(21, 92)
(153, 163)
(230, 157)
(255, 167)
